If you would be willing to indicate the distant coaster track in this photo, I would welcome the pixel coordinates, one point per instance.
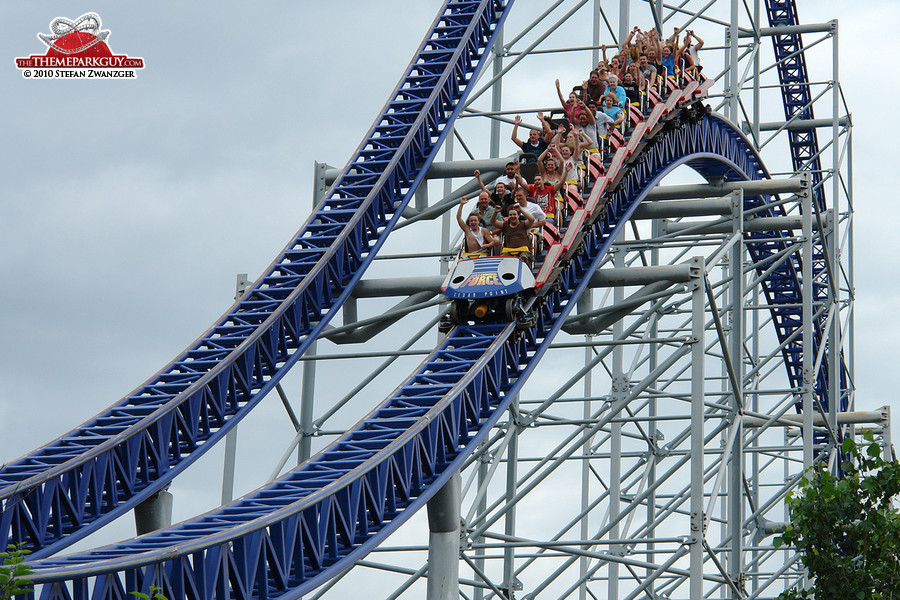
(790, 60)
(289, 537)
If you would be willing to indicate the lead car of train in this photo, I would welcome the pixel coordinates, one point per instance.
(487, 287)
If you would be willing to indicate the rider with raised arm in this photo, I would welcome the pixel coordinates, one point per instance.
(479, 240)
(537, 139)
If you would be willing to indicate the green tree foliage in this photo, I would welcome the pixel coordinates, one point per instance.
(14, 572)
(155, 594)
(848, 528)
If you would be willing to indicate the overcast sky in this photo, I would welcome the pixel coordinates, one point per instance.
(129, 206)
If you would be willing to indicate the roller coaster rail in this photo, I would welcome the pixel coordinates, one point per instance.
(774, 246)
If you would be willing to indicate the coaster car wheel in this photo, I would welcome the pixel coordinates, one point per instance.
(511, 308)
(458, 310)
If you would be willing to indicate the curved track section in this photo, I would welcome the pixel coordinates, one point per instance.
(70, 487)
(284, 540)
(804, 147)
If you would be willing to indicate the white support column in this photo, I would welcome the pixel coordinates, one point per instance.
(754, 126)
(242, 284)
(510, 584)
(835, 334)
(228, 471)
(733, 53)
(698, 321)
(447, 191)
(585, 304)
(619, 391)
(478, 594)
(307, 400)
(443, 542)
(497, 93)
(625, 21)
(652, 430)
(807, 290)
(736, 350)
(308, 382)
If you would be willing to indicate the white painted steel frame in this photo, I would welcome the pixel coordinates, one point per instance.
(740, 562)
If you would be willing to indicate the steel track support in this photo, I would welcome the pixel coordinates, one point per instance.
(242, 284)
(732, 58)
(697, 518)
(445, 218)
(478, 561)
(835, 337)
(809, 376)
(443, 542)
(624, 21)
(510, 583)
(154, 513)
(497, 92)
(736, 467)
(654, 433)
(585, 303)
(308, 381)
(617, 395)
(228, 471)
(307, 402)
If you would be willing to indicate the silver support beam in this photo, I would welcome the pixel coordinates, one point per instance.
(620, 387)
(625, 276)
(871, 417)
(242, 284)
(788, 223)
(307, 402)
(443, 542)
(783, 185)
(736, 349)
(308, 383)
(698, 359)
(510, 583)
(835, 333)
(671, 209)
(154, 513)
(799, 124)
(228, 473)
(808, 291)
(585, 304)
(447, 169)
(496, 92)
(828, 27)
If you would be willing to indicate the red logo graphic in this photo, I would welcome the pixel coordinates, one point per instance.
(78, 49)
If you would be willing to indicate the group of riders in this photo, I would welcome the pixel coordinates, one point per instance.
(510, 218)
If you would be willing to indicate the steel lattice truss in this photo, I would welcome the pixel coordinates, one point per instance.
(803, 142)
(288, 538)
(68, 488)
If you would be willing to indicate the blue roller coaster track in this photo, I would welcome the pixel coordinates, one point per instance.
(289, 537)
